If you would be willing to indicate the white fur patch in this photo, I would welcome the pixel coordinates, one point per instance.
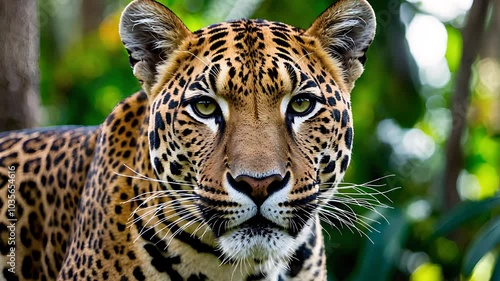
(269, 245)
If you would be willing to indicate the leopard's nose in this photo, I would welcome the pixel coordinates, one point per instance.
(258, 188)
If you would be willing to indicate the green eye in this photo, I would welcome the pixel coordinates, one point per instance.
(205, 108)
(301, 105)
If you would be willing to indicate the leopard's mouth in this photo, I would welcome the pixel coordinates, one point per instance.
(257, 225)
(259, 222)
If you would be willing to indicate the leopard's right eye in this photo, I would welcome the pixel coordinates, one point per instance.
(205, 108)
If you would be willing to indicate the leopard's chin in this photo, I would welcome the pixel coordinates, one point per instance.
(257, 244)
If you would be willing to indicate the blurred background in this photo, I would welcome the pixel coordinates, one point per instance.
(426, 116)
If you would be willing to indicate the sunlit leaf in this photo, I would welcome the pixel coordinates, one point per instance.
(486, 240)
(488, 179)
(454, 48)
(427, 272)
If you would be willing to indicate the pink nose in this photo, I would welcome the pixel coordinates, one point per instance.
(258, 189)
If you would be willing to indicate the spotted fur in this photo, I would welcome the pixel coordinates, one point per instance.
(161, 191)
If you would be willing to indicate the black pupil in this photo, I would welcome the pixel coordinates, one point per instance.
(205, 103)
(300, 101)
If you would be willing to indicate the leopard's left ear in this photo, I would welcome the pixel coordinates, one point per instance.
(346, 30)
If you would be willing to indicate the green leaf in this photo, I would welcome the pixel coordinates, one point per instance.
(380, 256)
(463, 213)
(454, 48)
(486, 240)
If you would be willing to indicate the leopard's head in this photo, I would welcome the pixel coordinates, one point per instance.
(254, 115)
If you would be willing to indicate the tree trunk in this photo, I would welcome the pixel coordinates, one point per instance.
(92, 14)
(472, 37)
(491, 48)
(19, 79)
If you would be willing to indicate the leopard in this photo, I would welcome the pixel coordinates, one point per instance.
(219, 168)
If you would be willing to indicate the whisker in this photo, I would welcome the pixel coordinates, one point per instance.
(144, 177)
(214, 72)
(368, 183)
(205, 63)
(299, 59)
(163, 205)
(336, 203)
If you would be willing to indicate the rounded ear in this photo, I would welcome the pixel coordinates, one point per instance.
(345, 30)
(150, 33)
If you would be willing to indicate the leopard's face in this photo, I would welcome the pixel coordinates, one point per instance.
(257, 131)
(253, 118)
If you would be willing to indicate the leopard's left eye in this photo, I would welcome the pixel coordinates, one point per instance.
(301, 105)
(205, 107)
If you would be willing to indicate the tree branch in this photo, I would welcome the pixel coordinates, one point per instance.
(472, 38)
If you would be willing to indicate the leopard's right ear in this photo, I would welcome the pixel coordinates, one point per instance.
(150, 33)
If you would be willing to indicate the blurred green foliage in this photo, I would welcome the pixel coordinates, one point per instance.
(401, 127)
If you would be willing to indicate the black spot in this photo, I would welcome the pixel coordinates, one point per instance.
(232, 72)
(323, 130)
(159, 165)
(168, 118)
(138, 274)
(162, 263)
(166, 98)
(182, 82)
(131, 255)
(175, 168)
(348, 137)
(332, 101)
(298, 259)
(25, 239)
(336, 115)
(129, 116)
(217, 45)
(215, 69)
(159, 124)
(281, 42)
(217, 36)
(121, 227)
(126, 154)
(273, 73)
(328, 89)
(332, 179)
(59, 158)
(345, 118)
(154, 140)
(325, 159)
(343, 164)
(312, 240)
(337, 95)
(329, 168)
(197, 277)
(27, 267)
(172, 104)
